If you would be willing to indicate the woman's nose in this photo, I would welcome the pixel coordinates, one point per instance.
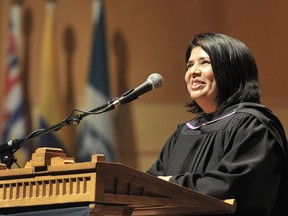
(196, 72)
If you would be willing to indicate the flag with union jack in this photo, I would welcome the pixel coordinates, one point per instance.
(13, 123)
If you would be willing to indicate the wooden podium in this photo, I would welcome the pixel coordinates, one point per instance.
(51, 178)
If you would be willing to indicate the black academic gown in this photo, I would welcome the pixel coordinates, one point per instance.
(240, 154)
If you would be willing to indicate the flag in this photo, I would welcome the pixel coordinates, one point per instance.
(52, 107)
(97, 134)
(13, 120)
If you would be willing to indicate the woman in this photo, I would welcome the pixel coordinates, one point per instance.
(235, 147)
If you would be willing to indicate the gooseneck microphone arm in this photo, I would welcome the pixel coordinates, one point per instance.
(8, 149)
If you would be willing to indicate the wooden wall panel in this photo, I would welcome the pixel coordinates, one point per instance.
(150, 36)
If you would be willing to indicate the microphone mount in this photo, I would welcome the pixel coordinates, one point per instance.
(9, 148)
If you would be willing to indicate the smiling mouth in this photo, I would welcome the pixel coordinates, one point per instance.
(197, 85)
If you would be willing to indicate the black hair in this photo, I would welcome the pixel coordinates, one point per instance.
(234, 69)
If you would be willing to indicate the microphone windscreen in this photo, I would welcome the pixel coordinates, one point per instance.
(156, 80)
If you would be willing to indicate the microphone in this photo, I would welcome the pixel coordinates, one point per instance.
(10, 146)
(154, 81)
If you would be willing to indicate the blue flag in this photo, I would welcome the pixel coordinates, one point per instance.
(97, 131)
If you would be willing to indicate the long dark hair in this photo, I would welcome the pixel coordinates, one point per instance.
(234, 69)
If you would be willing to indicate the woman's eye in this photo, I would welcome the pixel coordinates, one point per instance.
(206, 62)
(189, 66)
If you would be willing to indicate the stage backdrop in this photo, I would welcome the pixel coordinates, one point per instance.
(143, 37)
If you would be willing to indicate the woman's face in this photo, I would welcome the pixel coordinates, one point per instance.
(200, 80)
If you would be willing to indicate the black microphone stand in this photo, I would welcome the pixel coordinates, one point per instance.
(6, 155)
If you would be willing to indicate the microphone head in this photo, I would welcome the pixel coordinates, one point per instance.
(156, 80)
